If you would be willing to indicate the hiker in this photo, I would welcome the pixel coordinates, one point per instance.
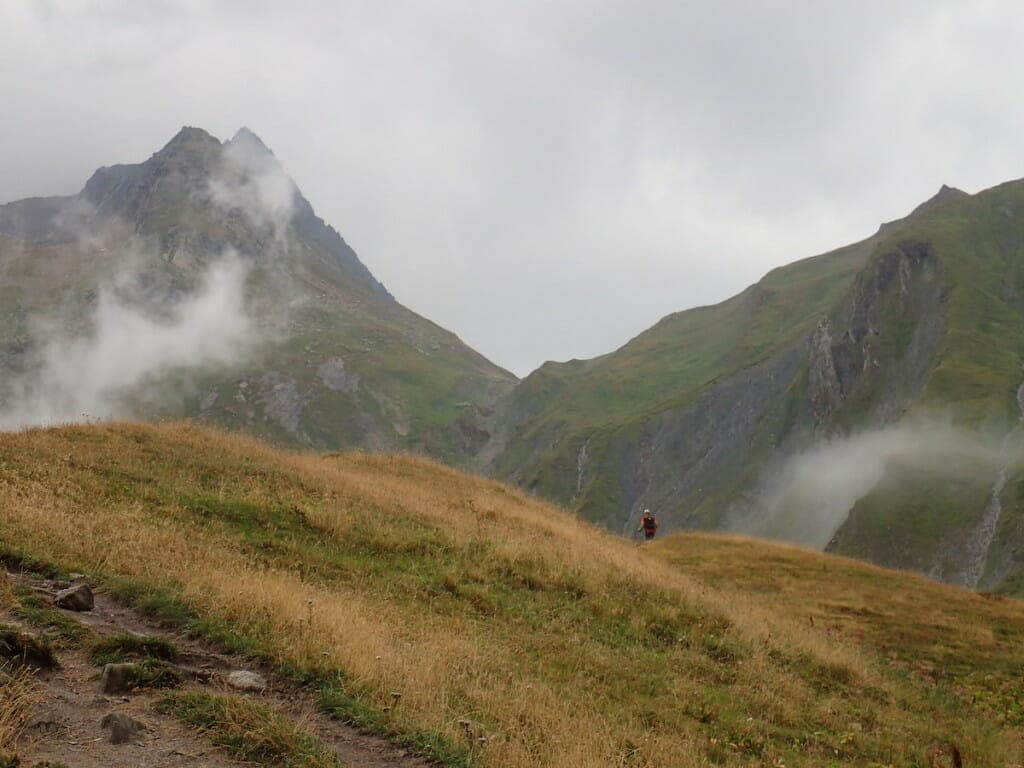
(648, 524)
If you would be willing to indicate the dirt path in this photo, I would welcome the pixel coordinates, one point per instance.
(65, 727)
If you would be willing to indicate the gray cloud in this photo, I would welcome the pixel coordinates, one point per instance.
(546, 179)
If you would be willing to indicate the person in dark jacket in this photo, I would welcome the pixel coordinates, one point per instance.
(648, 524)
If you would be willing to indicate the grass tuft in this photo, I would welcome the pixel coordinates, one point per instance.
(63, 630)
(18, 694)
(120, 648)
(21, 649)
(250, 731)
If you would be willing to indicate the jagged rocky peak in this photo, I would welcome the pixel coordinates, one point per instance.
(181, 165)
(245, 154)
(245, 137)
(188, 137)
(190, 148)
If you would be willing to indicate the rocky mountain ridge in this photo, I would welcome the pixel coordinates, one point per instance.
(330, 359)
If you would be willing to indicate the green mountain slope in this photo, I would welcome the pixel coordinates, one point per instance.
(908, 343)
(332, 361)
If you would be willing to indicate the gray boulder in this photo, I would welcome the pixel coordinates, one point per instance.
(123, 728)
(77, 597)
(244, 680)
(117, 678)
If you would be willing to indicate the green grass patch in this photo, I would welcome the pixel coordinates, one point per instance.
(153, 673)
(343, 703)
(64, 631)
(120, 648)
(250, 731)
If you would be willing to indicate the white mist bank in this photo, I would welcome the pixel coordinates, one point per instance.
(87, 376)
(809, 497)
(254, 184)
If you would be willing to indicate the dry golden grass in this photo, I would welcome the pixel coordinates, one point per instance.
(7, 599)
(18, 695)
(561, 644)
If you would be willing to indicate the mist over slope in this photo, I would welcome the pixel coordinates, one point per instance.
(201, 282)
(865, 399)
(92, 375)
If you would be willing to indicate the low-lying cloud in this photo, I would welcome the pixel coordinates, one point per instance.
(808, 498)
(127, 348)
(253, 183)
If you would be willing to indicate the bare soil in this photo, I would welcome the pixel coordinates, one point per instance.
(65, 725)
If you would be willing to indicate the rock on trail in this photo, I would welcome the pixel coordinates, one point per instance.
(77, 597)
(123, 728)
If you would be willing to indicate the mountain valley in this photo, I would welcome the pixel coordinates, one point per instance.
(867, 400)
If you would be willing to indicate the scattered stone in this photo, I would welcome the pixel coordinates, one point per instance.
(123, 728)
(245, 680)
(118, 678)
(75, 598)
(43, 723)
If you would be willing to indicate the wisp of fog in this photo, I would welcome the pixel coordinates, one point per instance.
(86, 377)
(253, 183)
(809, 496)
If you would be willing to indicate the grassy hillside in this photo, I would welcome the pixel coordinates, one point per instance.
(515, 634)
(609, 402)
(697, 415)
(957, 643)
(668, 364)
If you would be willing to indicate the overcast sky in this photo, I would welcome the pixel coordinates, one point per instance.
(544, 178)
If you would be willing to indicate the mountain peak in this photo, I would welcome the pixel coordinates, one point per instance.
(188, 138)
(246, 138)
(945, 194)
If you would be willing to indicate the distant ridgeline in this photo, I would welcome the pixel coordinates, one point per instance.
(865, 400)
